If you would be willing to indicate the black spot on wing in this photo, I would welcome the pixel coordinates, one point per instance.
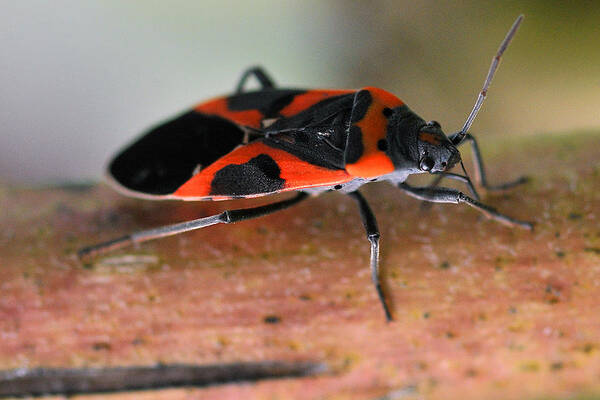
(355, 147)
(259, 175)
(165, 158)
(268, 101)
(362, 102)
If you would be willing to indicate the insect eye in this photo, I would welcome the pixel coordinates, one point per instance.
(435, 124)
(426, 163)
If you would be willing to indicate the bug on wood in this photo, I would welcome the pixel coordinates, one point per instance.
(272, 140)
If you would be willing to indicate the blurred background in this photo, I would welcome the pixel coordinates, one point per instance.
(80, 79)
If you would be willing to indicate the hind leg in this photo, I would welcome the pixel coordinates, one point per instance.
(266, 82)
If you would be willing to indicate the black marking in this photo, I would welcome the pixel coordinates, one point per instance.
(337, 187)
(71, 381)
(164, 159)
(272, 319)
(259, 175)
(382, 145)
(301, 137)
(355, 147)
(362, 102)
(317, 135)
(268, 101)
(387, 112)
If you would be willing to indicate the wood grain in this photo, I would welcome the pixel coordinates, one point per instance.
(481, 311)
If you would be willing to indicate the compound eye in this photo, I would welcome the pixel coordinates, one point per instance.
(426, 164)
(434, 124)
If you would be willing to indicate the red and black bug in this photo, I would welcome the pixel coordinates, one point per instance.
(272, 140)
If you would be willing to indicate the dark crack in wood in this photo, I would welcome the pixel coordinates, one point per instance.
(70, 381)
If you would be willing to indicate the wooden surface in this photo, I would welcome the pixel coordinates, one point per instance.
(481, 310)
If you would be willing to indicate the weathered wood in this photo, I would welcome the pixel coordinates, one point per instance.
(481, 311)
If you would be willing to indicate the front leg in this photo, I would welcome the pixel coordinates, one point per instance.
(447, 195)
(480, 176)
(370, 223)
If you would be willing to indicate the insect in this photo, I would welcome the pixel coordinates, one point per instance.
(272, 140)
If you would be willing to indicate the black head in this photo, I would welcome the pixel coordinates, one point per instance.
(419, 146)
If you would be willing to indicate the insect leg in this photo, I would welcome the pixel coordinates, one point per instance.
(266, 82)
(447, 195)
(226, 217)
(456, 177)
(441, 175)
(370, 223)
(480, 176)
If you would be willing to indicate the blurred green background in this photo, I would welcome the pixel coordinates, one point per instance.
(80, 79)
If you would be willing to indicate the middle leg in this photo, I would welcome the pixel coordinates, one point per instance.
(370, 223)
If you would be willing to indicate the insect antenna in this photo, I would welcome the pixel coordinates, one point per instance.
(460, 135)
